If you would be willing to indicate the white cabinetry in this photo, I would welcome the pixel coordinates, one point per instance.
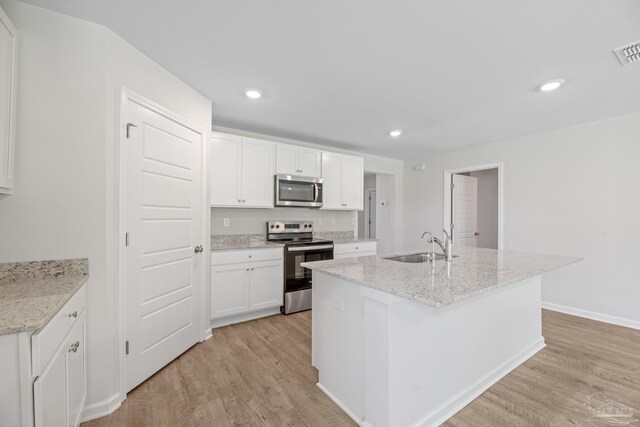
(354, 249)
(242, 171)
(44, 373)
(8, 59)
(343, 186)
(294, 160)
(245, 284)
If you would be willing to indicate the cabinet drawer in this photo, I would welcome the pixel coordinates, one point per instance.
(246, 255)
(45, 342)
(356, 248)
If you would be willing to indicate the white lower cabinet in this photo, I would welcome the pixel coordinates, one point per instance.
(59, 392)
(245, 282)
(354, 249)
(43, 374)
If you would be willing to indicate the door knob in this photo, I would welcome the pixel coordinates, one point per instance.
(198, 249)
(476, 233)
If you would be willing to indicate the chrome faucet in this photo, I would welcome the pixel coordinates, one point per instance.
(446, 247)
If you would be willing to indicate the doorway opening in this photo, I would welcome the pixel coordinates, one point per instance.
(473, 206)
(377, 219)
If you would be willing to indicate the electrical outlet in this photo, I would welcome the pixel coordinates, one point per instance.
(226, 222)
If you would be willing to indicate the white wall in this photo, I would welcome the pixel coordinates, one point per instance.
(64, 203)
(253, 221)
(385, 215)
(373, 164)
(487, 207)
(570, 191)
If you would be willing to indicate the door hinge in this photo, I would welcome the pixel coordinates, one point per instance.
(126, 347)
(453, 186)
(453, 226)
(126, 239)
(129, 126)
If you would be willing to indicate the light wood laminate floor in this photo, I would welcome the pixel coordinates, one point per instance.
(259, 374)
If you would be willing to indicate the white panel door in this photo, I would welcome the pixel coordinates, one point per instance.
(332, 181)
(287, 159)
(310, 162)
(266, 285)
(229, 289)
(225, 171)
(352, 183)
(163, 218)
(465, 210)
(257, 173)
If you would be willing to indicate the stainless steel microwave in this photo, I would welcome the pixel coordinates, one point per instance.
(298, 191)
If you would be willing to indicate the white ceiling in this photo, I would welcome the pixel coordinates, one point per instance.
(450, 73)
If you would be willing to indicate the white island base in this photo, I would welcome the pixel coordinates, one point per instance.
(389, 361)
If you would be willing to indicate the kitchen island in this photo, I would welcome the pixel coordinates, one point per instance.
(410, 344)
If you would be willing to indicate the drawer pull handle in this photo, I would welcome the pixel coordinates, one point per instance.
(74, 314)
(74, 347)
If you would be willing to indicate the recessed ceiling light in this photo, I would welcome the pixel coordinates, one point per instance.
(551, 85)
(395, 133)
(253, 93)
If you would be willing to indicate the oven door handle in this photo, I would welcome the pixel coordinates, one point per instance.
(308, 248)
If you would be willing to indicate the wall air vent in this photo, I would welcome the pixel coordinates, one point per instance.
(629, 54)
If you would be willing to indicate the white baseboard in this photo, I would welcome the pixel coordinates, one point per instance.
(207, 334)
(614, 320)
(102, 408)
(224, 321)
(346, 410)
(450, 408)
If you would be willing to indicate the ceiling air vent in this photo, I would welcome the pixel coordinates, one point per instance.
(629, 54)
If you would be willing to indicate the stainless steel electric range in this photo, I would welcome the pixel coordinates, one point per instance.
(299, 247)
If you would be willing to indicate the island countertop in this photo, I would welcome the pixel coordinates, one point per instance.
(473, 272)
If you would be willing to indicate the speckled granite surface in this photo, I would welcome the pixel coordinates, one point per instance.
(341, 237)
(32, 292)
(474, 272)
(240, 241)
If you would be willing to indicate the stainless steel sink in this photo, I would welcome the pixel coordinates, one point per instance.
(415, 258)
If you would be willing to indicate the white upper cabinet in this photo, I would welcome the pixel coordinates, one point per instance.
(242, 171)
(294, 160)
(343, 186)
(8, 59)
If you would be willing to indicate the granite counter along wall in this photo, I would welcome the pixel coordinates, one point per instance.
(38, 270)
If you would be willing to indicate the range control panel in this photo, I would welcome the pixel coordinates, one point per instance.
(289, 226)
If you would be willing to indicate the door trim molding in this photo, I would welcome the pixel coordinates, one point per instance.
(125, 96)
(447, 195)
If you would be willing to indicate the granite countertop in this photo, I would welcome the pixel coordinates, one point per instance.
(474, 272)
(31, 293)
(241, 241)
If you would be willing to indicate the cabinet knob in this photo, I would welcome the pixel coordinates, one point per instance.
(239, 200)
(244, 201)
(252, 269)
(74, 314)
(247, 269)
(357, 247)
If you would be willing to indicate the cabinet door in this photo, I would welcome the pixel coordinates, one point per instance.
(257, 173)
(287, 159)
(353, 183)
(332, 181)
(50, 392)
(267, 284)
(229, 290)
(310, 162)
(225, 171)
(7, 101)
(76, 371)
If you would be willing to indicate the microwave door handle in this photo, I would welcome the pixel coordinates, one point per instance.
(316, 192)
